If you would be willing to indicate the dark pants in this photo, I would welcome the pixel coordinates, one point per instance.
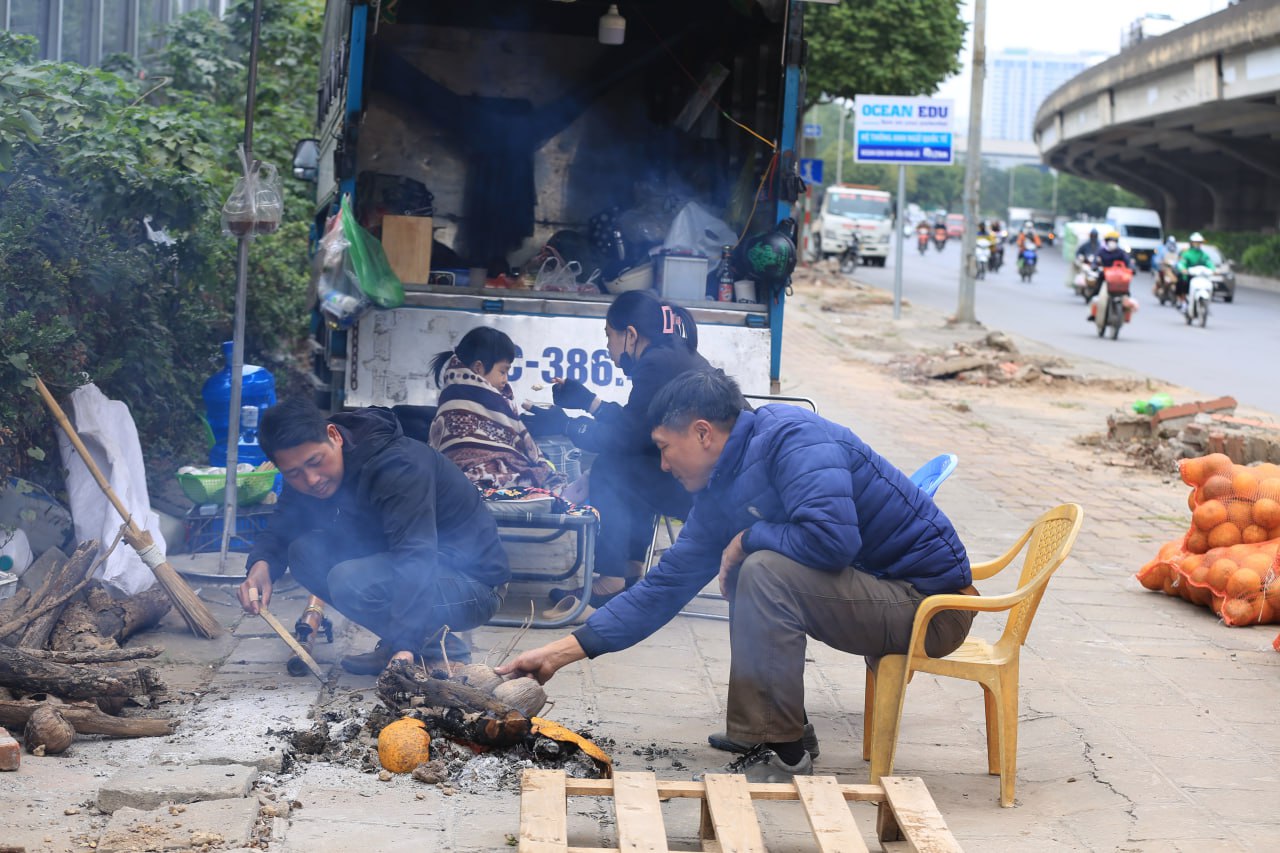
(629, 491)
(361, 584)
(777, 604)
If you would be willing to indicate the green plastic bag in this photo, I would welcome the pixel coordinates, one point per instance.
(378, 281)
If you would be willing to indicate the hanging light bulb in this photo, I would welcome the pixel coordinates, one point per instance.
(613, 27)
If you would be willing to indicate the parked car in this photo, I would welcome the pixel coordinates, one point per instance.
(955, 225)
(1224, 273)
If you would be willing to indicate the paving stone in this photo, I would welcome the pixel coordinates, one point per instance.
(146, 788)
(216, 824)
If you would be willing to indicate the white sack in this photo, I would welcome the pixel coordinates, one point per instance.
(107, 430)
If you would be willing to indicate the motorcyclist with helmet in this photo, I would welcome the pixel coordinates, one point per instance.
(1089, 247)
(1166, 275)
(1028, 235)
(1109, 254)
(1193, 256)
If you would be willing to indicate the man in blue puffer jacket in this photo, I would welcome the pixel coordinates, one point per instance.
(813, 534)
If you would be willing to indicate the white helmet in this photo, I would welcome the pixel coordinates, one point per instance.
(1028, 225)
(1196, 237)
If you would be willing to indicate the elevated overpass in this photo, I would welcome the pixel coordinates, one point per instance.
(1190, 121)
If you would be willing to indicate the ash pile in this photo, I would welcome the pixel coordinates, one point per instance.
(465, 730)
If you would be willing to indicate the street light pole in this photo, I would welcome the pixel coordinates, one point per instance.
(973, 166)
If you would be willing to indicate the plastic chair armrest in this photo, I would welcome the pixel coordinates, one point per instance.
(977, 603)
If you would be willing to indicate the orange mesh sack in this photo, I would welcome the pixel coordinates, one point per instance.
(1230, 504)
(1240, 583)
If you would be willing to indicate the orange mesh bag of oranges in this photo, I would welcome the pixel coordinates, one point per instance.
(1228, 559)
(1230, 504)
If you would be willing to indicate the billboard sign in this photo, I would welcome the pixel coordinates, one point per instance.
(907, 131)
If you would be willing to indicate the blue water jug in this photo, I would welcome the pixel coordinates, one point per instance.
(257, 391)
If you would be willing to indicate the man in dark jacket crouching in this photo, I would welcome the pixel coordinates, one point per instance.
(382, 527)
(813, 534)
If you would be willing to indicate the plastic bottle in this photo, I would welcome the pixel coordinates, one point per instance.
(15, 551)
(257, 389)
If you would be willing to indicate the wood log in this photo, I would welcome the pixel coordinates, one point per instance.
(460, 710)
(54, 594)
(100, 621)
(87, 719)
(95, 655)
(27, 673)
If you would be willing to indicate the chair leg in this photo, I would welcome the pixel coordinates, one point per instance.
(993, 731)
(1008, 732)
(867, 707)
(890, 690)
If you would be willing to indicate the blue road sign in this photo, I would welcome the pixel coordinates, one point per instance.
(811, 170)
(813, 131)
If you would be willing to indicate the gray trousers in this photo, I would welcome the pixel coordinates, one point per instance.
(777, 604)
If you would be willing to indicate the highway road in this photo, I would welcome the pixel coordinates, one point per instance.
(1238, 353)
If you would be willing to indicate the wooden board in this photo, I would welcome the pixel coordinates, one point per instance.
(729, 820)
(407, 242)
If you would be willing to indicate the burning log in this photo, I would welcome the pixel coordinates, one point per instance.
(458, 709)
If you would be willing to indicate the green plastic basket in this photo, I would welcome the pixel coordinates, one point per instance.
(251, 487)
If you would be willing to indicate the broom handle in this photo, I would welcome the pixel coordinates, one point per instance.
(61, 417)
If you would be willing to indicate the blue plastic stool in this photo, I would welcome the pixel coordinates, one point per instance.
(930, 475)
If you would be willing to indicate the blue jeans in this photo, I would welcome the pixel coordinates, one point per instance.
(359, 583)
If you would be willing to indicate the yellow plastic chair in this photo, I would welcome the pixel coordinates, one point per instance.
(994, 666)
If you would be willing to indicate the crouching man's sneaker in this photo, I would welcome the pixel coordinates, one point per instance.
(761, 764)
(721, 740)
(369, 663)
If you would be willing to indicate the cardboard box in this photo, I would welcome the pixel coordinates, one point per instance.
(407, 242)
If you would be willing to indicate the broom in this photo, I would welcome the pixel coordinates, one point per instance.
(197, 616)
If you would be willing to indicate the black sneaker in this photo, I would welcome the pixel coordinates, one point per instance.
(722, 741)
(761, 764)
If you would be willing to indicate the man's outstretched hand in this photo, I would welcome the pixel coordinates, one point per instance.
(543, 662)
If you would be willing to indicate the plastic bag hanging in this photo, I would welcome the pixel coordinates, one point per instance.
(377, 280)
(256, 204)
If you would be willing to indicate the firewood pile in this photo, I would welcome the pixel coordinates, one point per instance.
(62, 669)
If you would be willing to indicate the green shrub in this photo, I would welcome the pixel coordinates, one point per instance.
(1263, 258)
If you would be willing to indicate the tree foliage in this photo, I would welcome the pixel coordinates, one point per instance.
(86, 155)
(881, 47)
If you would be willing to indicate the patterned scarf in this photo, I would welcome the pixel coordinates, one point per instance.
(478, 429)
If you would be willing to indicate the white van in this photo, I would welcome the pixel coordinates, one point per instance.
(847, 210)
(1140, 232)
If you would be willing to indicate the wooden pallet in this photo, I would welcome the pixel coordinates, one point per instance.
(729, 824)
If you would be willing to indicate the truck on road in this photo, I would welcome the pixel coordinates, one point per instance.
(508, 137)
(849, 211)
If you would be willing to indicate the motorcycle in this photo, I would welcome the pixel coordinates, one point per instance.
(1113, 307)
(849, 259)
(939, 238)
(1199, 295)
(982, 259)
(1088, 277)
(922, 241)
(997, 255)
(1166, 287)
(1027, 261)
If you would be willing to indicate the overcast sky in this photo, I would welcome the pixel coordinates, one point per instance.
(1084, 25)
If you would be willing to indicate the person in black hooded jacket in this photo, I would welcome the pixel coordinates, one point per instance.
(653, 342)
(380, 526)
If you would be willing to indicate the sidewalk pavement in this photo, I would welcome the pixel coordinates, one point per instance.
(1146, 725)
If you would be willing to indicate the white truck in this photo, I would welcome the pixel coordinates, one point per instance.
(847, 211)
(508, 123)
(1140, 230)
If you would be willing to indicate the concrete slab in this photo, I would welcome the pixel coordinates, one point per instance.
(242, 729)
(217, 824)
(149, 787)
